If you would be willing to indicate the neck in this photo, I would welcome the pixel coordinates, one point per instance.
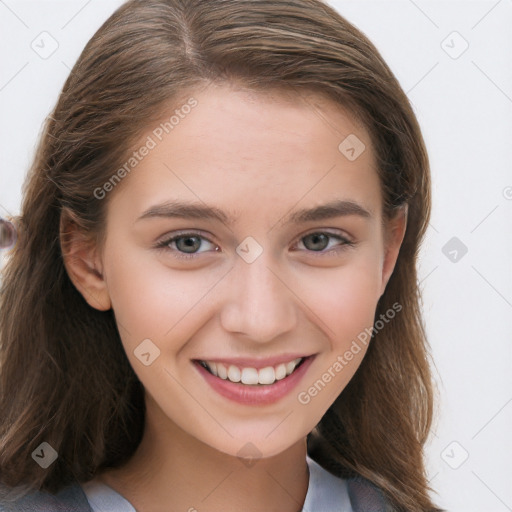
(171, 470)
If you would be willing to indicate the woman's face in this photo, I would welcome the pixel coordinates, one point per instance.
(247, 238)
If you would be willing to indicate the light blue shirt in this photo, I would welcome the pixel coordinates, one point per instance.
(326, 493)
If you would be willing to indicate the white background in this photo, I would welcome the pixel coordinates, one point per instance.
(464, 105)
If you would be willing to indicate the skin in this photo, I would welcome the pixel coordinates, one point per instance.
(258, 157)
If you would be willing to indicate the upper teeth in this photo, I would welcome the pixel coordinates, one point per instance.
(267, 375)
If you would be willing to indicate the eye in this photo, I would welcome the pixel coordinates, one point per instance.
(186, 245)
(189, 243)
(318, 241)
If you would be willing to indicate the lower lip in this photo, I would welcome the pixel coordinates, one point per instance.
(255, 394)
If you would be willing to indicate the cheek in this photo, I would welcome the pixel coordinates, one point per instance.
(149, 298)
(346, 303)
(355, 302)
(346, 298)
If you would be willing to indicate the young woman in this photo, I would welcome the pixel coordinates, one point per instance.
(212, 303)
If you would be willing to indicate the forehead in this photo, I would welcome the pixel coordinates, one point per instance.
(273, 117)
(238, 148)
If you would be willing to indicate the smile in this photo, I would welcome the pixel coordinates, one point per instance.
(252, 376)
(241, 382)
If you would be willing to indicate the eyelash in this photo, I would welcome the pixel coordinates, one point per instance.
(164, 244)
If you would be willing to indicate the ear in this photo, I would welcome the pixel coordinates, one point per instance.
(82, 262)
(394, 233)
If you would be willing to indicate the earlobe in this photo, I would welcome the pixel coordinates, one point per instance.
(83, 264)
(394, 235)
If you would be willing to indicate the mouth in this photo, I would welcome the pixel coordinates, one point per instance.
(250, 376)
(240, 381)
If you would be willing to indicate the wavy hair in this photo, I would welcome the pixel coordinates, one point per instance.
(64, 376)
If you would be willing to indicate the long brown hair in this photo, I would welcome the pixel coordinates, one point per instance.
(64, 376)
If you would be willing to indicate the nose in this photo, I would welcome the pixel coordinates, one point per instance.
(260, 304)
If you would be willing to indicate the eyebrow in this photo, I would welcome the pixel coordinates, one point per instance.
(184, 210)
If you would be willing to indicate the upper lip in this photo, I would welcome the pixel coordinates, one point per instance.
(246, 362)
